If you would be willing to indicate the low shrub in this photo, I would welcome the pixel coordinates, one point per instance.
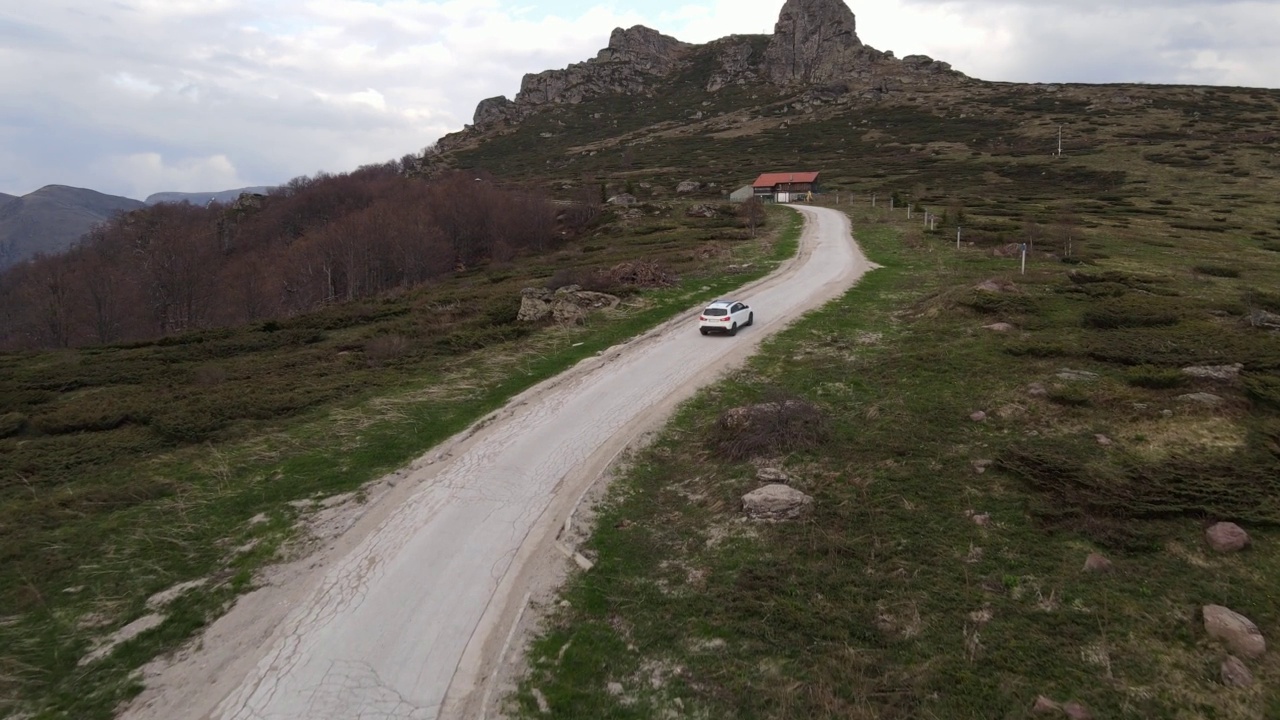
(12, 423)
(1156, 378)
(1131, 313)
(783, 424)
(1217, 271)
(1068, 396)
(384, 348)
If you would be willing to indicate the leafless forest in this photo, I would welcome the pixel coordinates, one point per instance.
(171, 268)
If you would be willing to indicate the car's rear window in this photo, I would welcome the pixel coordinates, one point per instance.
(715, 312)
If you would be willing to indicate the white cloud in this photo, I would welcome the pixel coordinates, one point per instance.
(145, 171)
(132, 96)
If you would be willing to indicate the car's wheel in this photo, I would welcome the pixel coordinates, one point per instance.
(734, 330)
(704, 331)
(751, 318)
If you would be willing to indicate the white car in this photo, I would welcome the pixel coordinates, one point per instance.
(725, 316)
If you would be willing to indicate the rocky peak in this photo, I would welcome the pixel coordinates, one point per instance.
(813, 41)
(633, 58)
(645, 48)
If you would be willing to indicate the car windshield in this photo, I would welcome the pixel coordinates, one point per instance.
(715, 312)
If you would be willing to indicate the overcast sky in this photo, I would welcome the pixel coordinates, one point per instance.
(132, 97)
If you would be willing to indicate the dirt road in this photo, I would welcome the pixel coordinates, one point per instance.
(407, 613)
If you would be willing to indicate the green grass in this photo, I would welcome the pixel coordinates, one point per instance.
(890, 601)
(133, 469)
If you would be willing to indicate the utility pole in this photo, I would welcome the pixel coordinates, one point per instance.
(1059, 141)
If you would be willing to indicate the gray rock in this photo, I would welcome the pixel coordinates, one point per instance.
(1218, 373)
(1077, 375)
(978, 416)
(980, 466)
(1264, 319)
(688, 186)
(1226, 537)
(568, 304)
(1239, 633)
(1045, 706)
(1097, 563)
(776, 502)
(1202, 398)
(1002, 327)
(1235, 673)
(1076, 711)
(1037, 390)
(1103, 440)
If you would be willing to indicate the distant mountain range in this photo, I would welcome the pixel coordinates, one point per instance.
(53, 218)
(204, 198)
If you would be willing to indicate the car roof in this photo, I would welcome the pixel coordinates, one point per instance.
(722, 303)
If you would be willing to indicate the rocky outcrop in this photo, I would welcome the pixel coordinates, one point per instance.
(633, 60)
(568, 305)
(814, 48)
(815, 41)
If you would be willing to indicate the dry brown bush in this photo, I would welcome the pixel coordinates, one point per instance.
(379, 350)
(783, 424)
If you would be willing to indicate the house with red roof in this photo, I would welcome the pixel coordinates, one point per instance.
(785, 186)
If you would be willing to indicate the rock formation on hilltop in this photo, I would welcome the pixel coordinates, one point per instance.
(815, 41)
(633, 58)
(814, 46)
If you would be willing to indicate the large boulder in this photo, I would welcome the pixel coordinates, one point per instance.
(776, 502)
(567, 305)
(1239, 633)
(1226, 537)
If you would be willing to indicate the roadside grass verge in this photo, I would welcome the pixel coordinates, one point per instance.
(100, 513)
(940, 573)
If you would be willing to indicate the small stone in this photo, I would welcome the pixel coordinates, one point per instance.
(1076, 711)
(1103, 440)
(1166, 413)
(1037, 390)
(1226, 537)
(1097, 563)
(978, 416)
(1235, 673)
(1236, 630)
(1202, 399)
(980, 466)
(1045, 705)
(776, 502)
(1001, 327)
(981, 519)
(1082, 375)
(614, 688)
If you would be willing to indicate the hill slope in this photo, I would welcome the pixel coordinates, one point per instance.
(51, 219)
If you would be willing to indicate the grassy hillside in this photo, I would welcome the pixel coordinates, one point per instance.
(1154, 245)
(127, 470)
(941, 571)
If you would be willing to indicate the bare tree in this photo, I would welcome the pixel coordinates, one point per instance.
(752, 212)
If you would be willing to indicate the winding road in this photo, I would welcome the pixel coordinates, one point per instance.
(409, 613)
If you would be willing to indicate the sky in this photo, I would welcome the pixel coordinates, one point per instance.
(133, 97)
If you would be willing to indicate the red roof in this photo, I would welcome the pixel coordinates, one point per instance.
(771, 179)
